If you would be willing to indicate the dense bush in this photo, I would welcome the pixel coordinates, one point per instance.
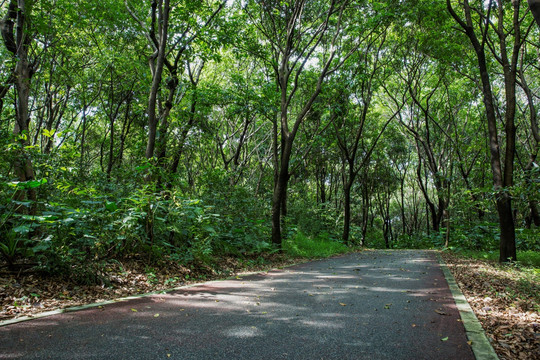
(89, 228)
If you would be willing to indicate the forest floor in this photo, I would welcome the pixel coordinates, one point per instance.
(506, 300)
(30, 293)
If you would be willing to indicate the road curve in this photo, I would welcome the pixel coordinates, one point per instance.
(368, 305)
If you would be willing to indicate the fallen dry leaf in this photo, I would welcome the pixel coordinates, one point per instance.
(29, 293)
(513, 298)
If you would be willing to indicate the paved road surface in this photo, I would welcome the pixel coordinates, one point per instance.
(369, 305)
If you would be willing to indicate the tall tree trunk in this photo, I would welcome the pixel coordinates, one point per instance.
(160, 15)
(17, 42)
(280, 190)
(431, 210)
(402, 205)
(534, 214)
(534, 5)
(347, 210)
(110, 160)
(83, 138)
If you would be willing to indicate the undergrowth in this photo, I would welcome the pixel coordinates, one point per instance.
(301, 245)
(527, 259)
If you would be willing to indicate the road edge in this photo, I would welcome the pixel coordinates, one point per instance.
(114, 301)
(480, 344)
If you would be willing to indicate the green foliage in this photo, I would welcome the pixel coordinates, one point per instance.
(98, 198)
(320, 246)
(92, 226)
(313, 219)
(476, 237)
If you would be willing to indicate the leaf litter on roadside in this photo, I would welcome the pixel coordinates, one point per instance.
(505, 301)
(27, 294)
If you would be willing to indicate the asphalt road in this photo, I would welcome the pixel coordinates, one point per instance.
(369, 305)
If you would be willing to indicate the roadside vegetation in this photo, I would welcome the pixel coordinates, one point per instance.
(36, 292)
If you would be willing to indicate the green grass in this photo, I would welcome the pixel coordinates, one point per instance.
(530, 259)
(306, 247)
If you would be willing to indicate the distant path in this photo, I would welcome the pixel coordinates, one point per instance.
(369, 305)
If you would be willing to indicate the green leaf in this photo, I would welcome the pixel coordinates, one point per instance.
(111, 206)
(48, 133)
(142, 167)
(31, 184)
(23, 229)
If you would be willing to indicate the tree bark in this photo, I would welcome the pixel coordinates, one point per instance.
(347, 210)
(534, 5)
(280, 191)
(430, 206)
(17, 42)
(160, 15)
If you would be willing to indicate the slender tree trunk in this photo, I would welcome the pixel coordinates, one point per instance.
(535, 216)
(508, 236)
(323, 188)
(185, 131)
(17, 41)
(162, 139)
(110, 159)
(402, 205)
(535, 146)
(431, 210)
(365, 211)
(280, 190)
(347, 212)
(126, 126)
(157, 62)
(83, 139)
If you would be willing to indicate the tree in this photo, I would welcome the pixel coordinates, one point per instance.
(534, 5)
(17, 30)
(484, 32)
(349, 120)
(534, 143)
(172, 30)
(296, 33)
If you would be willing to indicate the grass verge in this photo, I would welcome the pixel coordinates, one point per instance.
(306, 247)
(526, 259)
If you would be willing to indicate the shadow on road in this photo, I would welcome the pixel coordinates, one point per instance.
(369, 305)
